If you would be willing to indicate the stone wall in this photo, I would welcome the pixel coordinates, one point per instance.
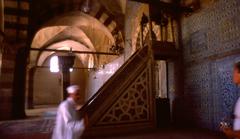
(47, 87)
(134, 13)
(96, 79)
(211, 40)
(6, 79)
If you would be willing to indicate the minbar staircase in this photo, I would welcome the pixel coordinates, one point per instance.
(126, 102)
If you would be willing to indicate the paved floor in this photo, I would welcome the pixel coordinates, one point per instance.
(41, 123)
(41, 111)
(26, 128)
(38, 124)
(171, 134)
(158, 134)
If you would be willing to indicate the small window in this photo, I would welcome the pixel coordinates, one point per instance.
(54, 66)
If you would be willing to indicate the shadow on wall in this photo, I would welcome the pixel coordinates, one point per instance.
(183, 110)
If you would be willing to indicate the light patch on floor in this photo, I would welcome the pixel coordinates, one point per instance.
(42, 111)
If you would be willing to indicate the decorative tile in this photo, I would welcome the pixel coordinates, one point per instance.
(209, 92)
(217, 27)
(225, 93)
(198, 94)
(198, 41)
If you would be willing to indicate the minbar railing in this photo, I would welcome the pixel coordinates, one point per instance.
(126, 101)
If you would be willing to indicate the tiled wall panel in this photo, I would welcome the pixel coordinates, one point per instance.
(211, 40)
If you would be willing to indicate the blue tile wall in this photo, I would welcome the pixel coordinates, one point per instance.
(225, 93)
(210, 36)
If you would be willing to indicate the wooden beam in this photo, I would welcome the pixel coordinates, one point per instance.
(77, 68)
(165, 5)
(77, 52)
(21, 0)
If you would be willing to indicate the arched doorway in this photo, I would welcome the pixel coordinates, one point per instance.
(75, 32)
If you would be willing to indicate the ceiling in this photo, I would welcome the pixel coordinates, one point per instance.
(75, 30)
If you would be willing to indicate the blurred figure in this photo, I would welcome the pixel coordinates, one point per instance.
(67, 124)
(234, 133)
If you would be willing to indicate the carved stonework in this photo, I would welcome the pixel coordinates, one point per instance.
(133, 105)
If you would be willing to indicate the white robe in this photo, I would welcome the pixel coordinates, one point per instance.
(236, 123)
(67, 126)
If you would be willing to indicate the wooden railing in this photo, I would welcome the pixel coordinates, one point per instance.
(126, 101)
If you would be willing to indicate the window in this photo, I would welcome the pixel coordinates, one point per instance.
(54, 66)
(161, 79)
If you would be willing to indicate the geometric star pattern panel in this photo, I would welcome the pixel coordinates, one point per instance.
(211, 40)
(133, 104)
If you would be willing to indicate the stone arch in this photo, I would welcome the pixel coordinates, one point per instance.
(45, 39)
(98, 10)
(74, 27)
(63, 45)
(67, 26)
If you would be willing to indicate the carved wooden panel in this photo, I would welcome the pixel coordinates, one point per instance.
(127, 101)
(133, 104)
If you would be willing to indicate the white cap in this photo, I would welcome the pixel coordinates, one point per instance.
(72, 89)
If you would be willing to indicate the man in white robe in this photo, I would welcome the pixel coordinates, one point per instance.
(235, 131)
(67, 124)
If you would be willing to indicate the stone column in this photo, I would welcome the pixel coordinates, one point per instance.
(1, 33)
(1, 52)
(65, 63)
(161, 79)
(2, 15)
(18, 98)
(31, 72)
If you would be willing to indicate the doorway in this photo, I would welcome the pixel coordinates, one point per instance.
(44, 88)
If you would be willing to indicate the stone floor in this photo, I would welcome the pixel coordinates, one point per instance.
(40, 124)
(41, 111)
(170, 134)
(26, 128)
(163, 134)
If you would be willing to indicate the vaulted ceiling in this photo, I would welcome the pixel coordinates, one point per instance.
(95, 24)
(92, 30)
